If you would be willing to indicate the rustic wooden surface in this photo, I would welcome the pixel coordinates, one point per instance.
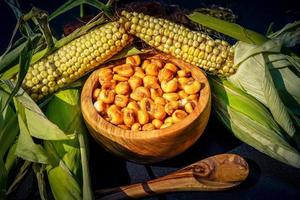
(215, 173)
(148, 146)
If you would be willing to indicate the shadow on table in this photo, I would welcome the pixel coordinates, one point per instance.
(216, 139)
(106, 169)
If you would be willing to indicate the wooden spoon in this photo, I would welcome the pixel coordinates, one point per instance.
(216, 173)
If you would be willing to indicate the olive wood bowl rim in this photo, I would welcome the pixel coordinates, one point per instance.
(98, 122)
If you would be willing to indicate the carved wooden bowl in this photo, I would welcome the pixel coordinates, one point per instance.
(148, 146)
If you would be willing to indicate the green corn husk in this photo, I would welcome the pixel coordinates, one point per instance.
(259, 70)
(270, 73)
(251, 122)
(227, 28)
(63, 150)
(70, 165)
(8, 120)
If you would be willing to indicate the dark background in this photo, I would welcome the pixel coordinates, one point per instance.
(269, 179)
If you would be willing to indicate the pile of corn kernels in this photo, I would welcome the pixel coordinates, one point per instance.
(145, 95)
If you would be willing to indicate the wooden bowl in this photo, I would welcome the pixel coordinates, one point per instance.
(148, 146)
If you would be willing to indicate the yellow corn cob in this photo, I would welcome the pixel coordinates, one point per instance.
(214, 56)
(73, 60)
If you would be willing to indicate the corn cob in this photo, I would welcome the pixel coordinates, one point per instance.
(214, 56)
(73, 60)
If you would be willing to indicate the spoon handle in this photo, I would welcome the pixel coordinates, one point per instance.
(215, 173)
(171, 183)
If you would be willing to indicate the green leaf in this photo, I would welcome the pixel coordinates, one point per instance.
(63, 185)
(3, 180)
(15, 6)
(241, 101)
(24, 62)
(74, 3)
(40, 127)
(66, 103)
(277, 107)
(11, 41)
(19, 177)
(268, 142)
(251, 122)
(295, 62)
(270, 28)
(4, 94)
(11, 58)
(77, 84)
(285, 69)
(86, 182)
(39, 173)
(286, 81)
(128, 51)
(72, 152)
(282, 68)
(8, 135)
(230, 29)
(32, 122)
(37, 123)
(8, 130)
(11, 157)
(244, 51)
(254, 77)
(289, 34)
(70, 120)
(26, 148)
(40, 18)
(82, 11)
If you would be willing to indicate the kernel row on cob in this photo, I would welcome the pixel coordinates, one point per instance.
(214, 56)
(73, 60)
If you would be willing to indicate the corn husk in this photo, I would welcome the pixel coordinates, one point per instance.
(8, 120)
(285, 69)
(254, 77)
(289, 34)
(63, 146)
(70, 163)
(251, 122)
